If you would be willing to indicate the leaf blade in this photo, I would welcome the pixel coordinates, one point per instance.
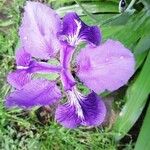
(136, 96)
(143, 138)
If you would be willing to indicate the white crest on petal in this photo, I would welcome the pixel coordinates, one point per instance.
(22, 67)
(73, 38)
(75, 97)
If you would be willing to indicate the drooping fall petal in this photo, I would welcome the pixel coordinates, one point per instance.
(38, 92)
(75, 30)
(66, 116)
(87, 110)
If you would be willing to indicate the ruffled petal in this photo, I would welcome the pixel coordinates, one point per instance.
(18, 78)
(66, 116)
(76, 30)
(22, 57)
(94, 110)
(38, 30)
(106, 67)
(36, 93)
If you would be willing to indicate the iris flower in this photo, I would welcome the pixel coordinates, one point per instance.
(99, 66)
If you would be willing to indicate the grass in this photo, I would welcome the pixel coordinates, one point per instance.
(21, 129)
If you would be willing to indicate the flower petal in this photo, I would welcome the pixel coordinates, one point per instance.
(94, 110)
(76, 29)
(66, 116)
(22, 57)
(38, 30)
(67, 80)
(18, 78)
(36, 93)
(42, 67)
(87, 110)
(106, 67)
(66, 54)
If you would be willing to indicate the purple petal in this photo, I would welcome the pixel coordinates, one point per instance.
(75, 29)
(67, 80)
(66, 54)
(106, 67)
(18, 78)
(42, 67)
(94, 110)
(22, 57)
(66, 116)
(36, 93)
(38, 30)
(87, 110)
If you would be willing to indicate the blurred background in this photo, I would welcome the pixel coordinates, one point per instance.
(128, 124)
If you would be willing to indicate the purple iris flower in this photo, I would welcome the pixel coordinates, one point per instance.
(100, 67)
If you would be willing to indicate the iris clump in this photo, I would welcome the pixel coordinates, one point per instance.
(99, 66)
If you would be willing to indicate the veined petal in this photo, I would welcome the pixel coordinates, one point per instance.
(38, 30)
(66, 116)
(75, 30)
(22, 57)
(94, 110)
(18, 78)
(106, 67)
(38, 92)
(87, 110)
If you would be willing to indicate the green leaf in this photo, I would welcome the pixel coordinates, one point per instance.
(91, 7)
(143, 138)
(143, 44)
(140, 59)
(136, 97)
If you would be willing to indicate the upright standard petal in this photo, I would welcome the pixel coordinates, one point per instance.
(87, 110)
(106, 67)
(75, 30)
(35, 93)
(38, 31)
